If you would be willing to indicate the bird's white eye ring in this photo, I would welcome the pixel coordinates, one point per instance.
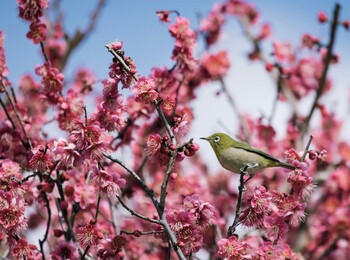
(216, 139)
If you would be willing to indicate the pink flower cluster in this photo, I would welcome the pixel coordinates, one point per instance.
(190, 222)
(32, 11)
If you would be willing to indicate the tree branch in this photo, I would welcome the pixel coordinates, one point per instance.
(132, 212)
(79, 35)
(323, 79)
(232, 228)
(121, 60)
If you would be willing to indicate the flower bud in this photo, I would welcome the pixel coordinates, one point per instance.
(57, 232)
(64, 205)
(322, 17)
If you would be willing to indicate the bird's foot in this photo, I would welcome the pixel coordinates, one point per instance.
(245, 169)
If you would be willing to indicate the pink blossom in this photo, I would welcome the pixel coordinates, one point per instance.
(145, 90)
(3, 67)
(107, 184)
(109, 119)
(242, 10)
(84, 80)
(184, 43)
(276, 228)
(203, 211)
(51, 80)
(83, 136)
(302, 183)
(283, 52)
(55, 49)
(66, 154)
(118, 72)
(181, 126)
(168, 105)
(232, 249)
(116, 45)
(42, 158)
(322, 17)
(85, 195)
(309, 41)
(163, 16)
(88, 235)
(215, 65)
(111, 248)
(211, 26)
(12, 218)
(23, 250)
(9, 169)
(64, 250)
(154, 144)
(31, 10)
(37, 32)
(182, 223)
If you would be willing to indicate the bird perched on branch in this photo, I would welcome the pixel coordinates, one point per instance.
(236, 156)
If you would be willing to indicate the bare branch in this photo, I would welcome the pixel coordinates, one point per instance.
(327, 61)
(132, 212)
(79, 35)
(232, 228)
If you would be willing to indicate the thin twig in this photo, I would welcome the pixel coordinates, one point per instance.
(112, 216)
(232, 228)
(149, 191)
(85, 116)
(41, 242)
(244, 22)
(79, 35)
(97, 209)
(132, 212)
(327, 61)
(121, 60)
(137, 233)
(306, 149)
(44, 52)
(170, 165)
(172, 238)
(19, 119)
(7, 114)
(85, 252)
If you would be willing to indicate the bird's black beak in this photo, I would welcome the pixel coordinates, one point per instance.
(204, 138)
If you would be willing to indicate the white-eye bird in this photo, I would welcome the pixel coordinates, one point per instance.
(234, 155)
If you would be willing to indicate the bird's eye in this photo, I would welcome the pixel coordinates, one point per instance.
(216, 139)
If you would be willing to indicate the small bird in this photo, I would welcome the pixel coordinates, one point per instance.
(236, 156)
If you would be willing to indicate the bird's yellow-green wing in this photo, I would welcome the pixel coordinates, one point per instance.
(248, 148)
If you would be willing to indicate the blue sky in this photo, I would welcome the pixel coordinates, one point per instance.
(148, 42)
(145, 39)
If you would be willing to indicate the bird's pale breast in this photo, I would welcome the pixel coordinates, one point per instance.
(234, 159)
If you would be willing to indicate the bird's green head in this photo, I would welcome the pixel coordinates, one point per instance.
(219, 141)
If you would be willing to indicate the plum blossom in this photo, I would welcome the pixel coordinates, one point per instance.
(145, 90)
(111, 248)
(37, 32)
(65, 250)
(23, 250)
(232, 249)
(276, 227)
(164, 16)
(211, 26)
(42, 158)
(215, 66)
(3, 67)
(107, 183)
(31, 10)
(88, 235)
